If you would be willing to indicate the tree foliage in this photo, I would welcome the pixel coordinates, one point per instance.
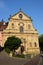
(41, 42)
(12, 43)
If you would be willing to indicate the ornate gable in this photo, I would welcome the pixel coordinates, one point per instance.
(20, 15)
(20, 21)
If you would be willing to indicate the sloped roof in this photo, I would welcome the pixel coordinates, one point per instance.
(3, 25)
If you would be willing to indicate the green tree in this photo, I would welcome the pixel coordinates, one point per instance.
(41, 41)
(12, 43)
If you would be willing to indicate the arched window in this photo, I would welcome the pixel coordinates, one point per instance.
(21, 29)
(35, 44)
(12, 25)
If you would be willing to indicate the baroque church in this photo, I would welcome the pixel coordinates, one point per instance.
(20, 25)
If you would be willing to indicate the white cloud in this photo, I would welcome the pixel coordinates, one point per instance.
(2, 5)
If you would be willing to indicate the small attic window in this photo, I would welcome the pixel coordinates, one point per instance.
(12, 25)
(20, 16)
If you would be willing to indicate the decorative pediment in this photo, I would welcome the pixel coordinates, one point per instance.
(20, 21)
(20, 15)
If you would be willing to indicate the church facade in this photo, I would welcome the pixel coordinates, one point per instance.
(20, 25)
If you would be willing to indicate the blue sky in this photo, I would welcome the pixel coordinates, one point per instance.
(33, 8)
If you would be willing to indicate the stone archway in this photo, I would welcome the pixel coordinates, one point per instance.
(22, 49)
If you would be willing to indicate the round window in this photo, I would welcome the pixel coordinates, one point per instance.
(20, 15)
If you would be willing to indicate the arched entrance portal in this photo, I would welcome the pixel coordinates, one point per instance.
(22, 49)
(23, 46)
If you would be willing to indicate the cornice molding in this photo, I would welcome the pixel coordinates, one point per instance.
(19, 19)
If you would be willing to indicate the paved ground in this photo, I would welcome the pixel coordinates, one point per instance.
(33, 61)
(6, 60)
(38, 60)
